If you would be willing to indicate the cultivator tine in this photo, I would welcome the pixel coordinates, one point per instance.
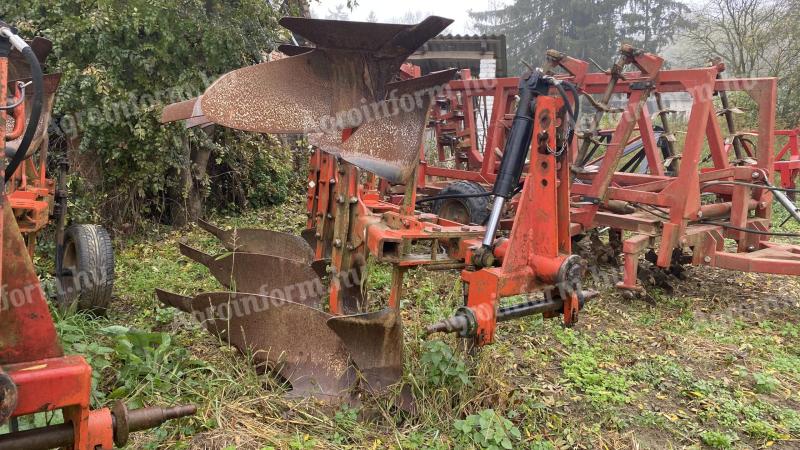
(256, 273)
(312, 359)
(266, 242)
(389, 146)
(375, 343)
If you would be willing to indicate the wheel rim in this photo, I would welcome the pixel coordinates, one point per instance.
(69, 263)
(455, 211)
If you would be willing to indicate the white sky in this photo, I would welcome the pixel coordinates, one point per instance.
(393, 10)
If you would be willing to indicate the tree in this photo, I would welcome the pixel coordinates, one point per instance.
(121, 62)
(651, 25)
(753, 37)
(338, 13)
(584, 29)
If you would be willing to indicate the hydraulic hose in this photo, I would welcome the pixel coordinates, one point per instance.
(38, 99)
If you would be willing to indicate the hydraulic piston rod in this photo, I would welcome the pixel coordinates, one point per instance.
(516, 150)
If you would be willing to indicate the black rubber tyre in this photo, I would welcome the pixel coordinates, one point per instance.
(87, 278)
(472, 210)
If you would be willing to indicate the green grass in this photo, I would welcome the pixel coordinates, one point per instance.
(685, 373)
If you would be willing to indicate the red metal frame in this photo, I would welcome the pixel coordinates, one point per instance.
(454, 114)
(787, 161)
(30, 354)
(351, 219)
(35, 376)
(538, 246)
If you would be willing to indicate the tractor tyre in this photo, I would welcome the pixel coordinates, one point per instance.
(469, 210)
(87, 276)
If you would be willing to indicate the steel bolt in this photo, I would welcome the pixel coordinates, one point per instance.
(354, 199)
(312, 184)
(756, 175)
(707, 259)
(340, 199)
(337, 243)
(329, 216)
(318, 235)
(333, 181)
(700, 214)
(351, 247)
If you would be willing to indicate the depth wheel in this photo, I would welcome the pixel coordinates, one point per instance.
(87, 274)
(470, 210)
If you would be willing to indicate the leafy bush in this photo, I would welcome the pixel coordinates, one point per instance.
(486, 430)
(121, 62)
(442, 367)
(150, 363)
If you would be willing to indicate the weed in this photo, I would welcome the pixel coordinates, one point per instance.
(346, 425)
(302, 442)
(486, 430)
(717, 440)
(765, 383)
(762, 430)
(582, 369)
(442, 367)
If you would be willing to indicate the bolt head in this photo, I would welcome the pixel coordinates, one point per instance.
(707, 259)
(312, 184)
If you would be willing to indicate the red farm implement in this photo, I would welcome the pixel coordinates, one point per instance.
(549, 182)
(35, 375)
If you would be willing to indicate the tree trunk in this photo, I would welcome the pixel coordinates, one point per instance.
(188, 196)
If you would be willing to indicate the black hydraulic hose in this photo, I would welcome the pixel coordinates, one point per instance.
(573, 114)
(563, 95)
(36, 111)
(576, 96)
(433, 198)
